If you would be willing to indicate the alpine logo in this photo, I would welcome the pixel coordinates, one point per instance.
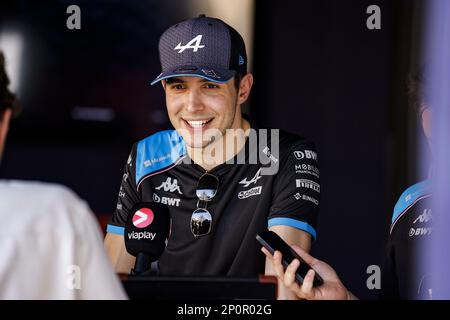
(194, 44)
(143, 217)
(169, 186)
(424, 217)
(210, 73)
(308, 154)
(253, 180)
(251, 192)
(166, 200)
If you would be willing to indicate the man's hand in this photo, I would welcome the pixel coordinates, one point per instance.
(331, 289)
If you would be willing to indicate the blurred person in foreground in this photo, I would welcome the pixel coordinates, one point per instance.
(50, 243)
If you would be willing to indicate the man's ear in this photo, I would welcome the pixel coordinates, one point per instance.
(163, 84)
(245, 87)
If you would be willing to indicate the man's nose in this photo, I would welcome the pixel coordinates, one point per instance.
(194, 101)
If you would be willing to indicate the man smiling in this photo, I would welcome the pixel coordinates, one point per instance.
(203, 170)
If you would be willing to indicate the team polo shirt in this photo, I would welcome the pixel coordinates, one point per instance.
(247, 201)
(403, 276)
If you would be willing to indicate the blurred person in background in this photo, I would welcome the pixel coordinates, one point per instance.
(402, 276)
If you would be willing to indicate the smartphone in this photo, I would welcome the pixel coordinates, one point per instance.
(272, 242)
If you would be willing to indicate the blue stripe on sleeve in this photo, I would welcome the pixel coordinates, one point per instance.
(292, 223)
(115, 229)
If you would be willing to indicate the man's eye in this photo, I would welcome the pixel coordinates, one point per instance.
(211, 86)
(177, 86)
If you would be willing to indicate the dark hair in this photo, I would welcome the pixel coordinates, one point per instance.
(237, 80)
(418, 91)
(7, 98)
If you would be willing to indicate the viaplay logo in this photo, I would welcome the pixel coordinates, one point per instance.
(143, 217)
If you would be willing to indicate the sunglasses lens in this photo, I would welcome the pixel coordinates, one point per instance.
(206, 194)
(207, 187)
(201, 222)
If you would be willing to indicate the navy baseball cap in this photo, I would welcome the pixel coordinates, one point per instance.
(202, 47)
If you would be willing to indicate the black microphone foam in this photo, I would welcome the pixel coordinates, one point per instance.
(147, 230)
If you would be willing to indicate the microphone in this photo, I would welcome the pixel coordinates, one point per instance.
(146, 233)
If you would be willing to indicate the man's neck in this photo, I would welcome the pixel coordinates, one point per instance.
(221, 150)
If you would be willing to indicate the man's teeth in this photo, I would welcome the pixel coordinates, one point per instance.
(197, 124)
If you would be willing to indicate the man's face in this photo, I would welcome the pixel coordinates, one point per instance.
(201, 110)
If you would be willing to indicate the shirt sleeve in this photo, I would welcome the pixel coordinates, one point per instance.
(128, 196)
(97, 278)
(296, 190)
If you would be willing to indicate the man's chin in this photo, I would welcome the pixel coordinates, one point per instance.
(199, 140)
(197, 144)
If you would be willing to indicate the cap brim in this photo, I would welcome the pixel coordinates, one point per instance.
(213, 74)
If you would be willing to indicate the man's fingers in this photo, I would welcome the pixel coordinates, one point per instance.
(275, 259)
(308, 283)
(267, 253)
(278, 266)
(289, 275)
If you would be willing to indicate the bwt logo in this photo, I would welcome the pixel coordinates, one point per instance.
(143, 218)
(308, 154)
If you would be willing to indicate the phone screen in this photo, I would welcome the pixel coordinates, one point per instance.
(272, 242)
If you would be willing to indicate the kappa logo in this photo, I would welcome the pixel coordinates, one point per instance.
(424, 217)
(308, 154)
(169, 186)
(253, 180)
(194, 44)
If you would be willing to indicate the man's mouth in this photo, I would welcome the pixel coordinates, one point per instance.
(197, 124)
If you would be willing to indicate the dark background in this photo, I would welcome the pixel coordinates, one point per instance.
(318, 72)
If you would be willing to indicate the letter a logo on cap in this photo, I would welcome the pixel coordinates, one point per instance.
(193, 44)
(143, 217)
